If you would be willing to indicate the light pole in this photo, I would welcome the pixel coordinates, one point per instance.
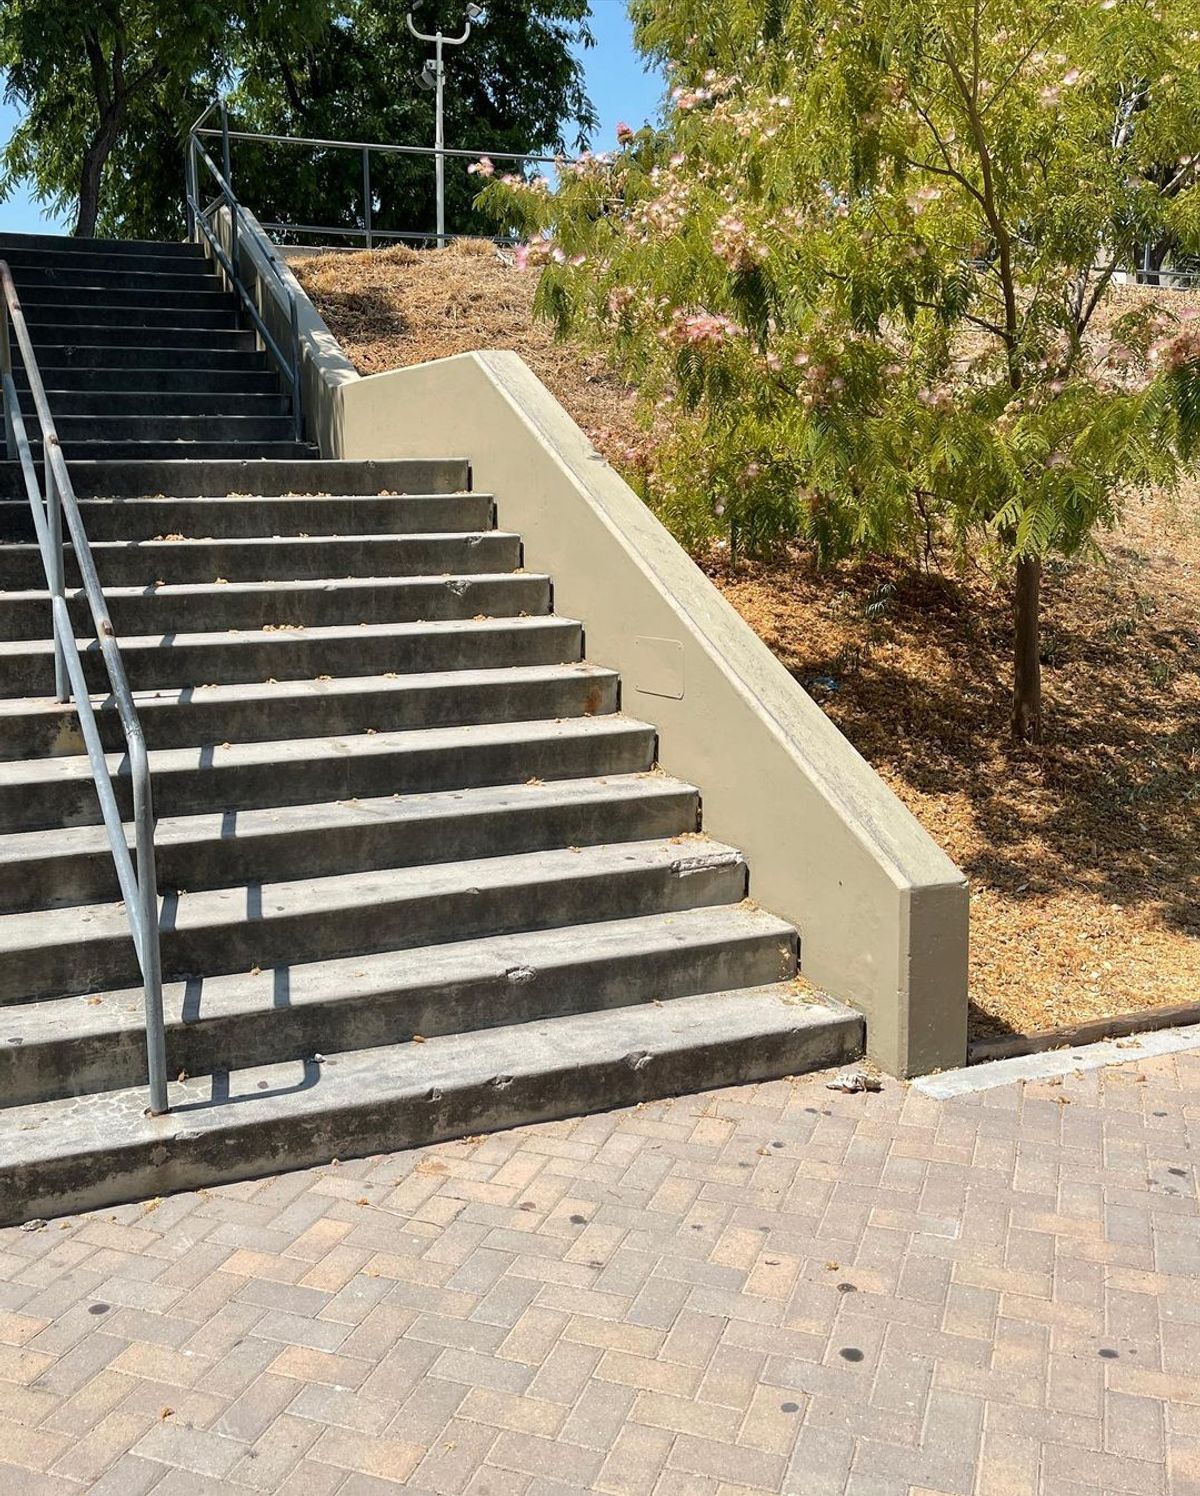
(431, 77)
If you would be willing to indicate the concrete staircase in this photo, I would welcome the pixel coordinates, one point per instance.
(419, 874)
(143, 353)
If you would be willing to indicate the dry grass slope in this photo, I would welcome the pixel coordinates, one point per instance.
(1083, 854)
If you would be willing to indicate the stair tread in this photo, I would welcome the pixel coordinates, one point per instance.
(285, 751)
(164, 546)
(280, 638)
(226, 826)
(359, 978)
(371, 1079)
(214, 909)
(266, 691)
(134, 503)
(302, 584)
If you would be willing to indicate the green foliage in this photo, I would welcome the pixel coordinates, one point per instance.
(134, 74)
(860, 261)
(108, 88)
(516, 85)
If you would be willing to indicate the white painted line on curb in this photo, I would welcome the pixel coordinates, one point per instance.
(1058, 1062)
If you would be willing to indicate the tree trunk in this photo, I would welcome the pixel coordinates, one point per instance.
(95, 159)
(1027, 662)
(89, 184)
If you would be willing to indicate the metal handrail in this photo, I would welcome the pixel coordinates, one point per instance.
(139, 886)
(368, 231)
(199, 215)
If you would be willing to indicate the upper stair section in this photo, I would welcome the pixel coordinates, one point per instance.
(144, 354)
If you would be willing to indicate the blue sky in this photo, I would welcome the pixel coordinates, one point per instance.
(620, 87)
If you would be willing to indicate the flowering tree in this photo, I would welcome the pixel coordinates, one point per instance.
(861, 260)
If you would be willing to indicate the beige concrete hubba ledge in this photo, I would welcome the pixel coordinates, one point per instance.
(882, 911)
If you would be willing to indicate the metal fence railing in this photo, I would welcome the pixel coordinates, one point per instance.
(135, 874)
(367, 231)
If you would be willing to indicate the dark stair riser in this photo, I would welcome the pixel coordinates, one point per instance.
(106, 360)
(169, 723)
(297, 656)
(131, 479)
(176, 451)
(230, 857)
(396, 922)
(48, 337)
(44, 302)
(77, 1065)
(143, 519)
(119, 320)
(75, 430)
(315, 604)
(44, 245)
(67, 404)
(63, 380)
(71, 280)
(327, 775)
(256, 561)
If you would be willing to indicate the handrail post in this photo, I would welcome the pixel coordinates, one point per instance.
(57, 589)
(10, 436)
(190, 194)
(225, 142)
(366, 155)
(147, 918)
(297, 368)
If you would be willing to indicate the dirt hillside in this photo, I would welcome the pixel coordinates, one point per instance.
(1084, 853)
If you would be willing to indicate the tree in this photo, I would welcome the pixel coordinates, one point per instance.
(102, 77)
(517, 85)
(862, 260)
(110, 87)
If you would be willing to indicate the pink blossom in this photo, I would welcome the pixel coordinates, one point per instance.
(484, 167)
(624, 133)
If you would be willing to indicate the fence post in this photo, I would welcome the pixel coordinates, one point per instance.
(367, 193)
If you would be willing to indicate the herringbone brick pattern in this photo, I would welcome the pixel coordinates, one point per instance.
(768, 1289)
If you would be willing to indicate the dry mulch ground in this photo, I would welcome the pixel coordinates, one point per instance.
(1083, 853)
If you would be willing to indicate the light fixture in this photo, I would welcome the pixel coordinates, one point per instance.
(428, 76)
(475, 12)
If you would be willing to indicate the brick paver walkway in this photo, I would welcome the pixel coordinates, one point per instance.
(769, 1289)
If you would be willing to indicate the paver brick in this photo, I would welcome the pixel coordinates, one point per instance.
(764, 1290)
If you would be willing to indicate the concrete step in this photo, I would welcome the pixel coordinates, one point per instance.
(296, 515)
(87, 948)
(153, 661)
(67, 1047)
(286, 558)
(316, 603)
(247, 376)
(75, 430)
(305, 709)
(74, 865)
(79, 1154)
(43, 244)
(238, 477)
(57, 792)
(182, 451)
(67, 403)
(192, 296)
(156, 259)
(49, 335)
(63, 311)
(35, 277)
(187, 362)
